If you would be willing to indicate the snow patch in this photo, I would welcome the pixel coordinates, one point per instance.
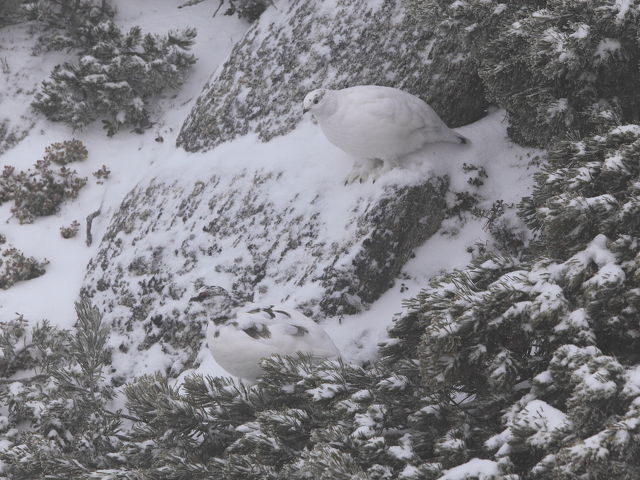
(479, 468)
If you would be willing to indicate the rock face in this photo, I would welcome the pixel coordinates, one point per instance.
(180, 252)
(301, 46)
(172, 240)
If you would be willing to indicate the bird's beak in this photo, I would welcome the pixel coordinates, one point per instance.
(304, 110)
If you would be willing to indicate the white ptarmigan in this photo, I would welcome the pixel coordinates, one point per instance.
(377, 125)
(240, 343)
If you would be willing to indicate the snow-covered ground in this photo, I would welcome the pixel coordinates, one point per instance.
(135, 158)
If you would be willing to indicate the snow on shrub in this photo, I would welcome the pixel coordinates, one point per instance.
(116, 78)
(15, 266)
(40, 191)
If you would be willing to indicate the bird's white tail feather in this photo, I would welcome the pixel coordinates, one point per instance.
(455, 137)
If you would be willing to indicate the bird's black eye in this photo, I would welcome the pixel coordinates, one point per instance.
(316, 100)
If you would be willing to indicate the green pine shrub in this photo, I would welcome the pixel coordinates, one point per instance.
(11, 11)
(535, 357)
(588, 187)
(250, 10)
(66, 24)
(102, 174)
(66, 152)
(301, 421)
(56, 422)
(559, 68)
(71, 230)
(15, 266)
(116, 77)
(564, 68)
(40, 191)
(586, 205)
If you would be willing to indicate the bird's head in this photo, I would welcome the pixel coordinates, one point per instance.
(314, 100)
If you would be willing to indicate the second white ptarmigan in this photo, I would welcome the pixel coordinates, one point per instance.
(240, 343)
(379, 126)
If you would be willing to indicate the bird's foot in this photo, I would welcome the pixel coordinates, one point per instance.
(383, 168)
(356, 175)
(362, 171)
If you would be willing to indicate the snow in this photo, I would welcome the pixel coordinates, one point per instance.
(578, 319)
(634, 129)
(595, 382)
(325, 391)
(614, 163)
(607, 47)
(632, 382)
(501, 7)
(458, 4)
(500, 442)
(404, 451)
(545, 418)
(410, 472)
(560, 106)
(364, 395)
(481, 469)
(609, 272)
(581, 32)
(623, 8)
(21, 72)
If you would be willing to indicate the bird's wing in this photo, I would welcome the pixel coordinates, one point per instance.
(291, 338)
(285, 331)
(400, 110)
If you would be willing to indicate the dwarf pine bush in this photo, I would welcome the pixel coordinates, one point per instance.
(116, 74)
(66, 152)
(15, 266)
(71, 230)
(299, 422)
(250, 10)
(564, 66)
(116, 77)
(66, 24)
(538, 355)
(558, 67)
(55, 423)
(40, 191)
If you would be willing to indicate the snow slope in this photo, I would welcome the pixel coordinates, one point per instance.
(134, 159)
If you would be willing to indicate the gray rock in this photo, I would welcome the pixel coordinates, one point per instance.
(301, 46)
(178, 253)
(391, 228)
